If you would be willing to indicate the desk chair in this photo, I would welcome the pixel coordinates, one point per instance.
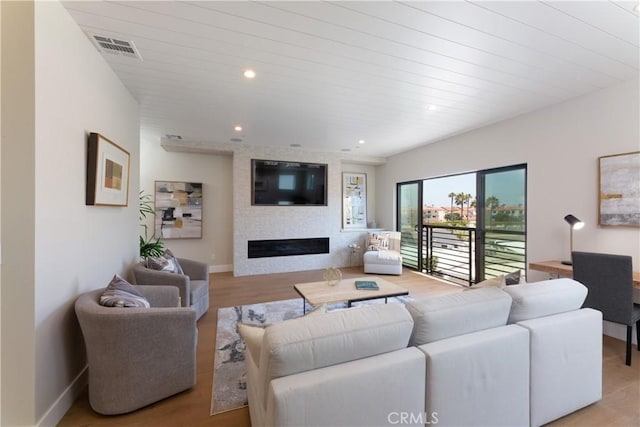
(609, 279)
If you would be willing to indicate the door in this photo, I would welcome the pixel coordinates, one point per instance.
(410, 222)
(502, 222)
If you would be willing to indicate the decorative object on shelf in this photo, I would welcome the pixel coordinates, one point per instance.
(332, 276)
(354, 200)
(178, 207)
(149, 246)
(574, 224)
(619, 195)
(107, 172)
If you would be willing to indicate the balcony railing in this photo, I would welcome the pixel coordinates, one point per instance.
(450, 253)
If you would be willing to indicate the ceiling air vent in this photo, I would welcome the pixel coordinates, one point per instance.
(114, 46)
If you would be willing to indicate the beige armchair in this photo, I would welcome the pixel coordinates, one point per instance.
(193, 285)
(137, 356)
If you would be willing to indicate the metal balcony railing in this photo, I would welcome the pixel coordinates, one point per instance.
(450, 253)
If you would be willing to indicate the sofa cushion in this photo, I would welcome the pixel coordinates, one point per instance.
(373, 257)
(545, 298)
(457, 313)
(120, 293)
(308, 343)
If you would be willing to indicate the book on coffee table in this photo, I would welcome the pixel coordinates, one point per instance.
(366, 285)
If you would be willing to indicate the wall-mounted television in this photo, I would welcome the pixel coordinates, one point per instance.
(283, 183)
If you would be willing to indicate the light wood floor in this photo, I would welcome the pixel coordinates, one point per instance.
(620, 405)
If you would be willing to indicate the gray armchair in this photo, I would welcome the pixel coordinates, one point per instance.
(137, 356)
(193, 285)
(609, 279)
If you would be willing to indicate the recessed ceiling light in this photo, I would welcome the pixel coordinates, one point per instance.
(362, 141)
(295, 145)
(238, 128)
(236, 140)
(636, 8)
(432, 107)
(346, 149)
(249, 73)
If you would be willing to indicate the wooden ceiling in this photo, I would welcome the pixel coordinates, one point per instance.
(330, 74)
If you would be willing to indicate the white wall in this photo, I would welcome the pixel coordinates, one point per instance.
(55, 247)
(225, 170)
(561, 145)
(214, 171)
(285, 222)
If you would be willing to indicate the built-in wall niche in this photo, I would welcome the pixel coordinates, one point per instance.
(286, 183)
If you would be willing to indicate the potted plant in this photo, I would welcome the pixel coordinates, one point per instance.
(149, 246)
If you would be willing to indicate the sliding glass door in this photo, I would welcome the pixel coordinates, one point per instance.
(460, 237)
(502, 222)
(409, 221)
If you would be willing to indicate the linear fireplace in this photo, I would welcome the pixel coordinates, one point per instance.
(287, 247)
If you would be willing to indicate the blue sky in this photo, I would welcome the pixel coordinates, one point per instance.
(506, 186)
(436, 190)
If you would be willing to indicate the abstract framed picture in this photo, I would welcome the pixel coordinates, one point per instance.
(619, 196)
(178, 207)
(354, 200)
(107, 172)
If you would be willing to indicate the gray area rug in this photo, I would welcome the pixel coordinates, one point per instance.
(229, 374)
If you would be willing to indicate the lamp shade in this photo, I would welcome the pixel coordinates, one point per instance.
(574, 222)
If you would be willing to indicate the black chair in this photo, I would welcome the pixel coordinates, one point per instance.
(609, 279)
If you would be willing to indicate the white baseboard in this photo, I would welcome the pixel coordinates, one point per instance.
(63, 403)
(220, 268)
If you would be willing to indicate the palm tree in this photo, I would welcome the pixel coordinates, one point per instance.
(451, 196)
(467, 199)
(460, 197)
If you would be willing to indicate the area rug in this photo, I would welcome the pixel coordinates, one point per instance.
(229, 374)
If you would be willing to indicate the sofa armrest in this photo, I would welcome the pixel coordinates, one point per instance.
(144, 276)
(196, 270)
(366, 392)
(161, 296)
(566, 363)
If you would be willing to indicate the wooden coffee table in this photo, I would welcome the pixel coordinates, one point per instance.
(318, 293)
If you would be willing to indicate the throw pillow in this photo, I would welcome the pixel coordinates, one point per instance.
(512, 278)
(120, 293)
(378, 241)
(252, 336)
(174, 261)
(167, 262)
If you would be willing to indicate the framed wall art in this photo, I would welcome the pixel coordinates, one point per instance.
(619, 192)
(354, 200)
(107, 172)
(178, 207)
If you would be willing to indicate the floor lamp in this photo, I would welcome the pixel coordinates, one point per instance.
(574, 224)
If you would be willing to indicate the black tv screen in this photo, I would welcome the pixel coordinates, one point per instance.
(280, 183)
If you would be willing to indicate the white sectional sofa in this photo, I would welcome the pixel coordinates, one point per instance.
(525, 355)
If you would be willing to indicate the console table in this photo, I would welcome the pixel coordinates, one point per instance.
(562, 270)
